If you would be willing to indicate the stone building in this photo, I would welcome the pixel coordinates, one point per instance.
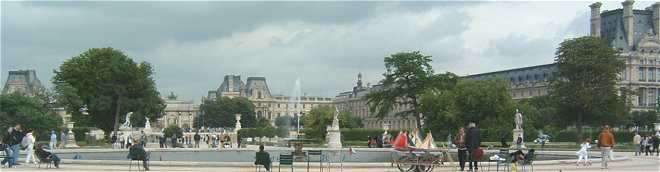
(267, 105)
(634, 32)
(24, 81)
(354, 101)
(177, 112)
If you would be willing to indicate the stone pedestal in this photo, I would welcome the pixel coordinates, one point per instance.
(334, 138)
(71, 137)
(516, 134)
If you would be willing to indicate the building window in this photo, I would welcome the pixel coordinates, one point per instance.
(640, 74)
(641, 97)
(259, 94)
(651, 75)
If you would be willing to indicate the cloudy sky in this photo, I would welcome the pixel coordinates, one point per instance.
(326, 44)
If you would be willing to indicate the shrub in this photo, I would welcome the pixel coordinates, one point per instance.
(257, 132)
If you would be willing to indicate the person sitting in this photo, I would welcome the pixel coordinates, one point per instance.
(45, 155)
(137, 152)
(262, 158)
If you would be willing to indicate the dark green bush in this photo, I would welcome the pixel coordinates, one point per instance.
(257, 132)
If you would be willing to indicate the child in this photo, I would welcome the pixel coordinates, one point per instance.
(583, 153)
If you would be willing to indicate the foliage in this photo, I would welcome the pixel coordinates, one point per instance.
(408, 75)
(485, 102)
(262, 122)
(585, 88)
(173, 130)
(643, 118)
(360, 133)
(29, 111)
(319, 117)
(283, 121)
(101, 79)
(221, 113)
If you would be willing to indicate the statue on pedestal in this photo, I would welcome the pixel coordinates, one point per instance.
(334, 135)
(127, 121)
(238, 123)
(518, 132)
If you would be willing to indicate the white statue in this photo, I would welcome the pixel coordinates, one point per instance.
(147, 124)
(519, 120)
(127, 121)
(335, 120)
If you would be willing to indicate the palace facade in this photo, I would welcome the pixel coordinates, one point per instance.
(267, 105)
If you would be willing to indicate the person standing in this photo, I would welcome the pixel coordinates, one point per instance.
(648, 143)
(113, 141)
(656, 143)
(197, 138)
(62, 138)
(606, 145)
(53, 140)
(28, 142)
(459, 141)
(473, 141)
(161, 141)
(173, 140)
(637, 140)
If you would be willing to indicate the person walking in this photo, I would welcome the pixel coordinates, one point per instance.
(583, 153)
(28, 143)
(473, 141)
(637, 141)
(53, 140)
(459, 141)
(606, 145)
(161, 141)
(173, 140)
(14, 137)
(113, 141)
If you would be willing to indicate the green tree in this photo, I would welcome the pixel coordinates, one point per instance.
(643, 118)
(172, 130)
(221, 112)
(585, 88)
(318, 118)
(485, 102)
(408, 76)
(108, 84)
(29, 111)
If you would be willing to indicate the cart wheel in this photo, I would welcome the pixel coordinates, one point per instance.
(406, 164)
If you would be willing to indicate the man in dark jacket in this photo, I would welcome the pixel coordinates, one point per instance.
(262, 158)
(472, 141)
(197, 138)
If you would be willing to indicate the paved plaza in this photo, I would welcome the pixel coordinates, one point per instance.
(641, 164)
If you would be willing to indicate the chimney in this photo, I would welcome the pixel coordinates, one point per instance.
(628, 21)
(656, 19)
(595, 19)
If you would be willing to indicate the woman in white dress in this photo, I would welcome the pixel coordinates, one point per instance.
(583, 153)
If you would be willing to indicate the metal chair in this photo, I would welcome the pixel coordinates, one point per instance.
(505, 162)
(139, 166)
(318, 153)
(285, 160)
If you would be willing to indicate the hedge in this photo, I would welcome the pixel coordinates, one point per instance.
(257, 132)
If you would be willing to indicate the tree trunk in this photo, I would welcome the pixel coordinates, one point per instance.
(115, 107)
(578, 126)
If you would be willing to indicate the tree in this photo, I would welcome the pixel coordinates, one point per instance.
(221, 112)
(585, 88)
(108, 84)
(29, 111)
(319, 117)
(643, 118)
(485, 102)
(408, 75)
(172, 130)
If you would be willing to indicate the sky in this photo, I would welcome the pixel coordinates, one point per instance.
(192, 45)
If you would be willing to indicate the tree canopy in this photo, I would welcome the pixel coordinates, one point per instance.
(318, 118)
(29, 111)
(108, 84)
(485, 102)
(408, 75)
(585, 88)
(221, 113)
